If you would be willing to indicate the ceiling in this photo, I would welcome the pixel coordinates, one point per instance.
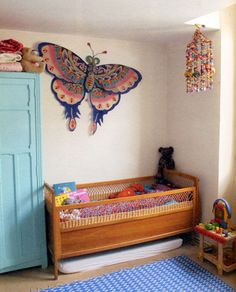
(138, 20)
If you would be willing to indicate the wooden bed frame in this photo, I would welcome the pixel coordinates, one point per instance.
(80, 240)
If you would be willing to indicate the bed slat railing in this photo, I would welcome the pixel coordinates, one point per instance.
(124, 199)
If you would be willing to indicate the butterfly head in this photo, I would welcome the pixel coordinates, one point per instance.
(93, 60)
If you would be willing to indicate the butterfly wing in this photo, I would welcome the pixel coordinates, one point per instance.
(111, 81)
(70, 95)
(69, 72)
(63, 63)
(102, 102)
(117, 78)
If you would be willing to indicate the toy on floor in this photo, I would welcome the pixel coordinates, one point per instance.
(220, 224)
(222, 213)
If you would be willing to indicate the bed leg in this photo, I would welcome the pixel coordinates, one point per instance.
(193, 238)
(55, 270)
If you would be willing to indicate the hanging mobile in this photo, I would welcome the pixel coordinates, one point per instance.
(199, 63)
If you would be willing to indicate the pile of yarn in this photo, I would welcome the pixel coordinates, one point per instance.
(199, 63)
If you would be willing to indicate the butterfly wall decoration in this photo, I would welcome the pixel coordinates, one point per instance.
(74, 78)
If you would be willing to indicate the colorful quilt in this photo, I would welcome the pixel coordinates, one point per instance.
(120, 207)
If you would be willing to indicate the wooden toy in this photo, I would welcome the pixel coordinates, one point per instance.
(222, 213)
(224, 262)
(223, 235)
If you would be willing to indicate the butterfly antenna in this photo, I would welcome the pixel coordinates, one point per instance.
(91, 48)
(104, 52)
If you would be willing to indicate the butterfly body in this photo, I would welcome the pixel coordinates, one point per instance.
(89, 82)
(73, 78)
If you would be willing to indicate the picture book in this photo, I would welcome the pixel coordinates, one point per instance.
(75, 197)
(80, 194)
(60, 199)
(64, 188)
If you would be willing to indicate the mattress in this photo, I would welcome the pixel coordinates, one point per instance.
(98, 260)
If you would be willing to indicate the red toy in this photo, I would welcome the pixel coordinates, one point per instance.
(133, 190)
(126, 193)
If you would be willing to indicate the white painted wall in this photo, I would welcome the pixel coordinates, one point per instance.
(193, 122)
(227, 150)
(127, 143)
(158, 112)
(202, 127)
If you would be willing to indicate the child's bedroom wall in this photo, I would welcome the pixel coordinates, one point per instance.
(127, 143)
(227, 161)
(193, 122)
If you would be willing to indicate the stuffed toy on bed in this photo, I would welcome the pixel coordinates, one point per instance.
(31, 61)
(133, 190)
(166, 161)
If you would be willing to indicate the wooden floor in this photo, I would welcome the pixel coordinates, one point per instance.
(32, 279)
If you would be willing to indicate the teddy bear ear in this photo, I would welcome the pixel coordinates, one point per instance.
(160, 149)
(172, 149)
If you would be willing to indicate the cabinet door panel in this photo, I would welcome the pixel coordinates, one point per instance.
(18, 89)
(21, 211)
(15, 130)
(9, 242)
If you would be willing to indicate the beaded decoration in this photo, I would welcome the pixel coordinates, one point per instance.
(199, 63)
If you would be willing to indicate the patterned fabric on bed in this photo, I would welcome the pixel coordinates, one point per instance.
(120, 207)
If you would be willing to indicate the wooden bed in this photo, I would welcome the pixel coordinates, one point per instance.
(95, 234)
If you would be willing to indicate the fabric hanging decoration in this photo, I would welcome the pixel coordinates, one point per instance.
(74, 77)
(199, 63)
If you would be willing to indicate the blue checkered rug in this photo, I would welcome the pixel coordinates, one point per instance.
(175, 274)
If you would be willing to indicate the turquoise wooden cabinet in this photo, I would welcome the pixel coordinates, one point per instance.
(22, 220)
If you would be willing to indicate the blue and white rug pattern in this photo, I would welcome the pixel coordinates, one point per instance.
(175, 274)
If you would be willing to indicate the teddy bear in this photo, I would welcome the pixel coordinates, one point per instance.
(166, 161)
(31, 61)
